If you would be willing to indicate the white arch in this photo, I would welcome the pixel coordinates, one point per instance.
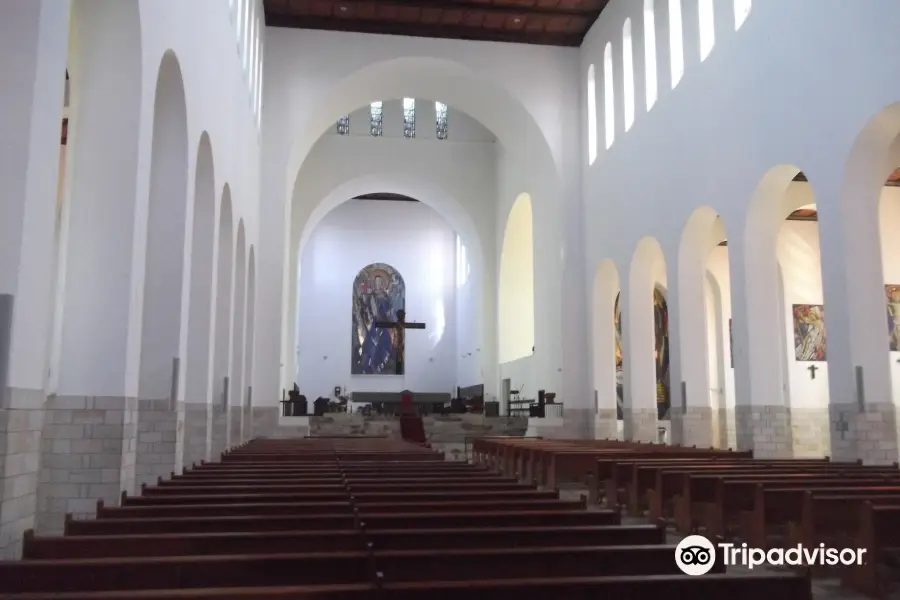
(481, 97)
(164, 257)
(407, 184)
(647, 272)
(516, 283)
(196, 367)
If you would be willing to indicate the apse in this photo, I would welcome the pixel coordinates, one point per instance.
(365, 261)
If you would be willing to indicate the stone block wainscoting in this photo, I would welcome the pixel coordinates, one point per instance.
(196, 433)
(88, 452)
(20, 458)
(157, 436)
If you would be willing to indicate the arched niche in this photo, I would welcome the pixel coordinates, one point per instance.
(516, 283)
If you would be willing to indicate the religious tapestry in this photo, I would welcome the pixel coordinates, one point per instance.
(661, 354)
(378, 293)
(620, 374)
(892, 294)
(809, 332)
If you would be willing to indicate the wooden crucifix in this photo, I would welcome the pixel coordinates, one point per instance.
(401, 326)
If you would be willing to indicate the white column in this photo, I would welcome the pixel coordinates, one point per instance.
(105, 121)
(34, 39)
(759, 375)
(856, 322)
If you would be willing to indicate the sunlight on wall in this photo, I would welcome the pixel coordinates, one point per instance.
(676, 43)
(707, 28)
(609, 112)
(592, 115)
(438, 283)
(650, 53)
(462, 263)
(741, 12)
(628, 74)
(516, 305)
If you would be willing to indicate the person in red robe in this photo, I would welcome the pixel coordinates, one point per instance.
(406, 403)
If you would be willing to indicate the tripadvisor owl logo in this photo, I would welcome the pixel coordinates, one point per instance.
(695, 555)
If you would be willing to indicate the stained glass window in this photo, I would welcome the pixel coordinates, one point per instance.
(343, 125)
(376, 112)
(409, 117)
(440, 111)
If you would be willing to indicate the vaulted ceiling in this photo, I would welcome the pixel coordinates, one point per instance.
(546, 22)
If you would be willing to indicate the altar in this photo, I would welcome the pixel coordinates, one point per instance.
(388, 403)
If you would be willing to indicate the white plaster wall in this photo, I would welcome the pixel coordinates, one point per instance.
(469, 303)
(219, 90)
(417, 242)
(313, 77)
(798, 255)
(762, 98)
(516, 282)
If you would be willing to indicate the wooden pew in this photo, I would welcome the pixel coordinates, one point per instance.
(172, 544)
(56, 547)
(506, 537)
(475, 506)
(543, 518)
(207, 524)
(367, 497)
(794, 514)
(165, 511)
(831, 515)
(167, 572)
(776, 586)
(702, 498)
(633, 478)
(474, 564)
(878, 533)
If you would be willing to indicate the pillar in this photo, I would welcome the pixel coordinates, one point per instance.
(30, 117)
(762, 419)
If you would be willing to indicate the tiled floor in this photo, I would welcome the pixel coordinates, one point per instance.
(823, 589)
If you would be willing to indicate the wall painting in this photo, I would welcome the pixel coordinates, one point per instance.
(378, 293)
(660, 355)
(892, 295)
(809, 332)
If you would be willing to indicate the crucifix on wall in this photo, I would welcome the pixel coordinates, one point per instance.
(812, 371)
(400, 325)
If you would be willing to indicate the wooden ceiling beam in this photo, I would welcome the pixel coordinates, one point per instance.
(455, 32)
(499, 9)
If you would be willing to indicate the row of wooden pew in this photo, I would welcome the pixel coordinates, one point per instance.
(726, 494)
(342, 518)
